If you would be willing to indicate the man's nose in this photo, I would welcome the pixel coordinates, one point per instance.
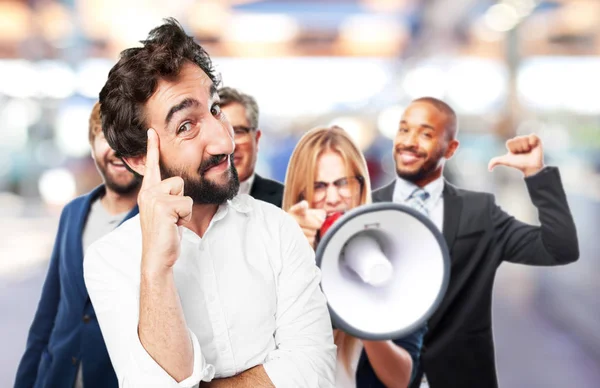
(409, 140)
(220, 139)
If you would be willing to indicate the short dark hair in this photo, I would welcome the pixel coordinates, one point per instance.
(441, 106)
(228, 95)
(133, 80)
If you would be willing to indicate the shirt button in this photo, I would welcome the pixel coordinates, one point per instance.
(201, 247)
(74, 360)
(223, 348)
(86, 318)
(211, 298)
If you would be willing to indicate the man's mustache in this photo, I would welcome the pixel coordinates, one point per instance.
(212, 161)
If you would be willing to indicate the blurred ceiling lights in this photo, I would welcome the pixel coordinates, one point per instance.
(375, 35)
(506, 14)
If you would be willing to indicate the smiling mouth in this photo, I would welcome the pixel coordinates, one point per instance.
(409, 157)
(224, 159)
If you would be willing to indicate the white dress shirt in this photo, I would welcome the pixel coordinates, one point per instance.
(343, 378)
(434, 204)
(246, 186)
(250, 296)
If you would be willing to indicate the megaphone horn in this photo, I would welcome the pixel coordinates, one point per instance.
(385, 268)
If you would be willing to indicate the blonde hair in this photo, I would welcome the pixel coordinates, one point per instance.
(301, 170)
(299, 178)
(95, 122)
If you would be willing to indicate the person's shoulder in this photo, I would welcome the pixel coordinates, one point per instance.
(82, 199)
(125, 240)
(253, 207)
(273, 184)
(267, 184)
(473, 198)
(263, 214)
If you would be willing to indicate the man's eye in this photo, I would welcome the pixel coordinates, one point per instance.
(185, 127)
(215, 110)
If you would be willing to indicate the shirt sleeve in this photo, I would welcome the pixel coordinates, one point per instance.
(115, 298)
(413, 344)
(305, 355)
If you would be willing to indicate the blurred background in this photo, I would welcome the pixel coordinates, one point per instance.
(508, 67)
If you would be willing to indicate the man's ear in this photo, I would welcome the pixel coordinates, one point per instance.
(452, 147)
(257, 137)
(137, 164)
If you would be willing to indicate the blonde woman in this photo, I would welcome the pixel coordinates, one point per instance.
(327, 173)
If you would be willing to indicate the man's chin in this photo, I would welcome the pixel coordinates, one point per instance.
(123, 187)
(410, 175)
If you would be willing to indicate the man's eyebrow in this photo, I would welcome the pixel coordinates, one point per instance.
(187, 103)
(423, 125)
(214, 92)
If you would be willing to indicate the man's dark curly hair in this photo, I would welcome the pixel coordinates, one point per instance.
(133, 80)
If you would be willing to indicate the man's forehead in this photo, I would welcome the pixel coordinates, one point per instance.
(425, 111)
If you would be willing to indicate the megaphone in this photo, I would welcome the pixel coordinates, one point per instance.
(385, 268)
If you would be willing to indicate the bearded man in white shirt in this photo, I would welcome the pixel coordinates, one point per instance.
(204, 286)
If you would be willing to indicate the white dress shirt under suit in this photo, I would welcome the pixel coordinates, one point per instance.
(434, 204)
(250, 295)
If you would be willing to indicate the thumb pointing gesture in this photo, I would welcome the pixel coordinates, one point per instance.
(524, 153)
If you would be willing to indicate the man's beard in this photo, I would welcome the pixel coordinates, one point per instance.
(202, 190)
(119, 188)
(430, 165)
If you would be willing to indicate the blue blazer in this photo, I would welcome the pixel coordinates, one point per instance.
(65, 331)
(412, 343)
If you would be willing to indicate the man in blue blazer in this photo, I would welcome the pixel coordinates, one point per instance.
(65, 347)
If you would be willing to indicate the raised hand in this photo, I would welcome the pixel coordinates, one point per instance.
(163, 209)
(525, 153)
(310, 220)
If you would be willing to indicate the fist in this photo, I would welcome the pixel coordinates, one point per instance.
(310, 220)
(163, 209)
(524, 153)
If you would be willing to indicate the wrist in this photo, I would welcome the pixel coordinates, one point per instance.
(152, 270)
(527, 172)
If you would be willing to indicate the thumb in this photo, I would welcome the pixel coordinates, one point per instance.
(504, 160)
(299, 208)
(533, 140)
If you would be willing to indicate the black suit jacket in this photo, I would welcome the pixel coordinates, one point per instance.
(267, 190)
(458, 348)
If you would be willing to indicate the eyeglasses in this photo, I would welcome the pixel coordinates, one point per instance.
(347, 187)
(242, 133)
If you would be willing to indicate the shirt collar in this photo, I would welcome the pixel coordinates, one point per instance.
(246, 185)
(239, 203)
(403, 189)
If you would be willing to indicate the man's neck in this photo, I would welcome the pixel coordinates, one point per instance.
(430, 178)
(201, 217)
(115, 203)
